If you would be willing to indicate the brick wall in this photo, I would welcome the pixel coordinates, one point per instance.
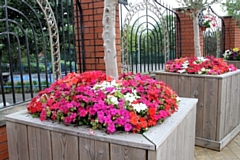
(3, 143)
(187, 35)
(93, 28)
(232, 33)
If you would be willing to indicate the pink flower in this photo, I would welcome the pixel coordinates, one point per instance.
(43, 115)
(111, 128)
(127, 127)
(82, 112)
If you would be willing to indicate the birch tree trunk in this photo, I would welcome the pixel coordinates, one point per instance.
(109, 35)
(197, 47)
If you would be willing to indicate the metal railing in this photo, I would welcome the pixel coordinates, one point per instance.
(25, 47)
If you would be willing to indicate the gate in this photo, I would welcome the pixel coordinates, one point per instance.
(33, 50)
(149, 33)
(214, 36)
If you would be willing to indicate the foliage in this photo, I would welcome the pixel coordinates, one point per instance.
(232, 8)
(29, 27)
(132, 103)
(199, 65)
(209, 21)
(232, 54)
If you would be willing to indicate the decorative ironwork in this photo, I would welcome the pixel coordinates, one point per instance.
(214, 36)
(26, 41)
(148, 36)
(54, 37)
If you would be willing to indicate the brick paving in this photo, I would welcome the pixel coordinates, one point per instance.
(230, 152)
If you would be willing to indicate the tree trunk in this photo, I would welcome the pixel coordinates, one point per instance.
(109, 35)
(197, 47)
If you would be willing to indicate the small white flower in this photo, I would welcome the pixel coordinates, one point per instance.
(113, 99)
(178, 99)
(202, 59)
(129, 97)
(185, 64)
(139, 107)
(182, 71)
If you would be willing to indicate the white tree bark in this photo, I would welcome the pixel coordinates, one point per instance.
(109, 35)
(197, 47)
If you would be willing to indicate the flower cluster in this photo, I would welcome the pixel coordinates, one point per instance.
(209, 21)
(199, 65)
(232, 54)
(133, 103)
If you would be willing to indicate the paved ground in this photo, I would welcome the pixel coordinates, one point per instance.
(230, 152)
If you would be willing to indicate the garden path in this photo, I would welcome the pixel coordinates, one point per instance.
(230, 152)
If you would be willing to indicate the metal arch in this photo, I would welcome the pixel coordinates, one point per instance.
(53, 36)
(215, 30)
(134, 9)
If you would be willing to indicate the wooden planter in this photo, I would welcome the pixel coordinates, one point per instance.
(218, 110)
(31, 139)
(235, 63)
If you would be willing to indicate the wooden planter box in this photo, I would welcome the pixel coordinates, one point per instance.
(218, 110)
(235, 63)
(31, 139)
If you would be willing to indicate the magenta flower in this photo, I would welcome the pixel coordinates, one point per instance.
(82, 112)
(127, 127)
(111, 128)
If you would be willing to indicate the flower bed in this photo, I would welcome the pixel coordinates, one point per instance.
(218, 111)
(30, 138)
(199, 65)
(232, 56)
(132, 104)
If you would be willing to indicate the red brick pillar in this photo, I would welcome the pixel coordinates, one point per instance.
(93, 28)
(232, 33)
(3, 143)
(187, 35)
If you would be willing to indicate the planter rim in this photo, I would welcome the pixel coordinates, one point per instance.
(201, 75)
(231, 60)
(151, 139)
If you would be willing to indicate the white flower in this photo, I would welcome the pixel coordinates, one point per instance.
(139, 107)
(182, 71)
(185, 64)
(202, 59)
(130, 97)
(113, 99)
(178, 99)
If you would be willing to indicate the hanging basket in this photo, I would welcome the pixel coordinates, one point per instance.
(203, 28)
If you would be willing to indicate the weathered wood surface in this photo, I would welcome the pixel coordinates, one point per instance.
(235, 63)
(29, 138)
(218, 108)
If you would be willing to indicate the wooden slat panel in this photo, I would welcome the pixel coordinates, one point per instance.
(162, 151)
(210, 108)
(227, 120)
(102, 150)
(197, 91)
(160, 77)
(119, 152)
(172, 81)
(17, 141)
(64, 146)
(180, 141)
(39, 144)
(133, 140)
(172, 145)
(238, 105)
(86, 149)
(191, 133)
(185, 89)
(156, 134)
(222, 95)
(234, 103)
